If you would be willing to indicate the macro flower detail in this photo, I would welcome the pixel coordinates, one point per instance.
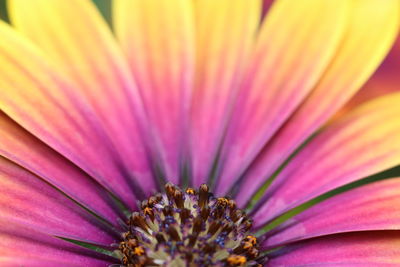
(189, 227)
(199, 133)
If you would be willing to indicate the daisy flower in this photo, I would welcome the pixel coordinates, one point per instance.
(198, 133)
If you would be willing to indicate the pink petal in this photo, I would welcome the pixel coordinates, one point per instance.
(385, 80)
(75, 37)
(158, 38)
(23, 246)
(19, 146)
(369, 35)
(371, 207)
(224, 34)
(362, 143)
(380, 248)
(38, 97)
(29, 201)
(294, 45)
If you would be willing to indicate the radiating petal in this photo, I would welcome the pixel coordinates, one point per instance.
(18, 261)
(296, 42)
(385, 80)
(23, 246)
(77, 39)
(157, 37)
(39, 98)
(380, 248)
(19, 146)
(225, 32)
(27, 200)
(362, 143)
(369, 35)
(371, 207)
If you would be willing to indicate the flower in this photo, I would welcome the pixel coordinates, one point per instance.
(384, 81)
(194, 93)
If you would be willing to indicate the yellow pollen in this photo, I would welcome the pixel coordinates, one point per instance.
(138, 251)
(247, 245)
(148, 211)
(251, 239)
(236, 260)
(190, 191)
(223, 201)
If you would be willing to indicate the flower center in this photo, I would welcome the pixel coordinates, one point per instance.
(189, 228)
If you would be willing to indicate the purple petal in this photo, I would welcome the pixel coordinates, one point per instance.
(371, 30)
(287, 60)
(370, 207)
(88, 55)
(26, 150)
(56, 114)
(361, 144)
(27, 200)
(23, 246)
(380, 248)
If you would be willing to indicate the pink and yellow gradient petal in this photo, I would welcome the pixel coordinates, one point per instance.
(24, 246)
(370, 34)
(225, 33)
(27, 200)
(360, 144)
(384, 81)
(36, 95)
(157, 37)
(379, 248)
(288, 58)
(370, 207)
(19, 146)
(75, 37)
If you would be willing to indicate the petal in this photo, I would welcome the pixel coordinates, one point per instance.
(19, 146)
(157, 37)
(369, 35)
(40, 99)
(22, 246)
(295, 43)
(385, 80)
(361, 144)
(74, 35)
(379, 248)
(27, 200)
(225, 33)
(371, 207)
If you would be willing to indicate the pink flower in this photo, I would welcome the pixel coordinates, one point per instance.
(94, 122)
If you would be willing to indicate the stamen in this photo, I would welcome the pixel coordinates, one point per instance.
(236, 260)
(189, 228)
(190, 191)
